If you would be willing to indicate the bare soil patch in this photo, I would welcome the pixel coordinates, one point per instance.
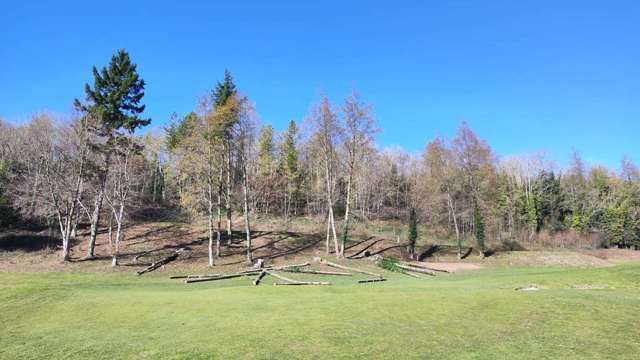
(454, 266)
(273, 242)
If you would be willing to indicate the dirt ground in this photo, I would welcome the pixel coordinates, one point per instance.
(272, 241)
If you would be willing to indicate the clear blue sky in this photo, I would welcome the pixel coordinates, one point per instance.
(526, 75)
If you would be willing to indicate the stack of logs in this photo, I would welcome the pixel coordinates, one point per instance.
(261, 271)
(414, 267)
(273, 271)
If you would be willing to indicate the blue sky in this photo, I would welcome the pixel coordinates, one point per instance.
(525, 75)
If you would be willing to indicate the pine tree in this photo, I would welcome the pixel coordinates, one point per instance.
(224, 90)
(478, 228)
(532, 213)
(115, 99)
(413, 232)
(114, 104)
(179, 130)
(228, 106)
(290, 167)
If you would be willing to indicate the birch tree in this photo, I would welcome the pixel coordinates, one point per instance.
(120, 188)
(359, 130)
(327, 132)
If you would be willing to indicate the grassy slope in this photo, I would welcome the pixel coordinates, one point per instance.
(476, 315)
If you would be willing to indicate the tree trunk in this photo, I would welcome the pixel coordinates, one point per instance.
(455, 224)
(333, 230)
(219, 225)
(247, 227)
(210, 225)
(110, 230)
(228, 195)
(326, 245)
(95, 220)
(64, 231)
(116, 252)
(345, 230)
(331, 224)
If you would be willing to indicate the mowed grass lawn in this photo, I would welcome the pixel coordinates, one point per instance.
(466, 316)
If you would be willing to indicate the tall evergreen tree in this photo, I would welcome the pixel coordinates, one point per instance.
(116, 95)
(290, 168)
(478, 228)
(114, 103)
(413, 232)
(289, 151)
(224, 90)
(179, 130)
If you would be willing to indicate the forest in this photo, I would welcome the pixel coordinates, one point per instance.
(100, 167)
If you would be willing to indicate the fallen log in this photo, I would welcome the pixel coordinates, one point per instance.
(302, 283)
(282, 277)
(423, 266)
(194, 276)
(418, 270)
(202, 278)
(223, 277)
(295, 282)
(410, 274)
(282, 267)
(318, 272)
(162, 262)
(272, 267)
(349, 268)
(257, 280)
(371, 280)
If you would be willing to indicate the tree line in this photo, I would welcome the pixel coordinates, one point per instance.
(218, 160)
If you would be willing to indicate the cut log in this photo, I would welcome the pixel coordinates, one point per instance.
(414, 269)
(272, 267)
(349, 268)
(160, 263)
(371, 280)
(288, 266)
(423, 266)
(192, 279)
(249, 272)
(223, 277)
(302, 283)
(318, 272)
(282, 277)
(194, 276)
(412, 275)
(257, 280)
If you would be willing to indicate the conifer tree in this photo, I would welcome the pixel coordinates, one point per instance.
(224, 91)
(478, 229)
(115, 105)
(179, 130)
(290, 168)
(413, 232)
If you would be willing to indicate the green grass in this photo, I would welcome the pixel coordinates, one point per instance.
(471, 316)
